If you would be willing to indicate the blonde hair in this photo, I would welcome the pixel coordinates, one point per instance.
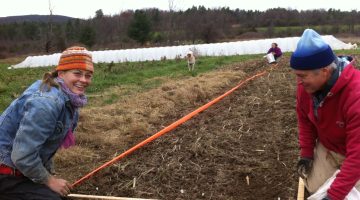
(48, 81)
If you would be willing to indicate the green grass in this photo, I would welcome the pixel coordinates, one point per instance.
(141, 72)
(348, 52)
(111, 99)
(137, 76)
(141, 75)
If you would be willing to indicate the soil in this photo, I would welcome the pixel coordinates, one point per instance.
(349, 38)
(244, 147)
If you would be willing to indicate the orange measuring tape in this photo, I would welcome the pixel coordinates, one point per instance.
(167, 129)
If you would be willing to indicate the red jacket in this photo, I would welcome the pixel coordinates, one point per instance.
(337, 127)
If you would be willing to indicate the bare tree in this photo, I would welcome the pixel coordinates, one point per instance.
(171, 21)
(49, 32)
(172, 5)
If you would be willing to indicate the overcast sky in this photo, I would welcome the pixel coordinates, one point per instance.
(86, 8)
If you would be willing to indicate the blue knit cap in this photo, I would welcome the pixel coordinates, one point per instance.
(311, 52)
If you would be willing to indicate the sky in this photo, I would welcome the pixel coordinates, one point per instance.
(86, 8)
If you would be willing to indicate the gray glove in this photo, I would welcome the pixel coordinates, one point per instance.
(304, 167)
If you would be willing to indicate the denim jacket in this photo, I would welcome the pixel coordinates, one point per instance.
(32, 128)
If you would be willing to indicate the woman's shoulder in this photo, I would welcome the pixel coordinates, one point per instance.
(38, 91)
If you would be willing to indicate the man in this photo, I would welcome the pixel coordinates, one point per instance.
(328, 110)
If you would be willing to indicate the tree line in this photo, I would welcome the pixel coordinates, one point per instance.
(154, 27)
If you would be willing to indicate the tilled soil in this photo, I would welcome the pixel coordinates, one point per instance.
(242, 148)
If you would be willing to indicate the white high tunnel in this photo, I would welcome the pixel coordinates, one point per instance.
(171, 52)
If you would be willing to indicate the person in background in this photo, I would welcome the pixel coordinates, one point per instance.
(39, 122)
(275, 50)
(328, 112)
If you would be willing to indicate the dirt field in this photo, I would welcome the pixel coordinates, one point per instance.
(243, 148)
(349, 39)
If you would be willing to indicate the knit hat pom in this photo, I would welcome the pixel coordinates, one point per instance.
(311, 52)
(75, 58)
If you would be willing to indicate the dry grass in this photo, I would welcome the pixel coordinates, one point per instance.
(136, 113)
(12, 60)
(112, 129)
(351, 40)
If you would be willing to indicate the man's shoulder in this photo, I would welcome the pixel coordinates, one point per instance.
(352, 88)
(353, 74)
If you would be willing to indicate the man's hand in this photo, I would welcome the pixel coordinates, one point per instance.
(59, 186)
(326, 198)
(304, 167)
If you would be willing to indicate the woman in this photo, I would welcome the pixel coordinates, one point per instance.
(38, 123)
(275, 50)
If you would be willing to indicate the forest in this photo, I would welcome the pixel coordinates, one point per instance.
(154, 27)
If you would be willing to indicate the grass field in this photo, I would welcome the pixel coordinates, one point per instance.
(134, 76)
(131, 77)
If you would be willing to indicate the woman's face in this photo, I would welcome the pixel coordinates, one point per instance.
(273, 45)
(76, 80)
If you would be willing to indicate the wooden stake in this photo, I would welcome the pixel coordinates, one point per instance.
(83, 196)
(301, 190)
(134, 182)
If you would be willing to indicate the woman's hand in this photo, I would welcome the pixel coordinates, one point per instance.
(59, 186)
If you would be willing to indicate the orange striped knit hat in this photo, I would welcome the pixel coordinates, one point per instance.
(75, 58)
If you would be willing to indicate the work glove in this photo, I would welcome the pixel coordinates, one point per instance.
(326, 198)
(304, 167)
